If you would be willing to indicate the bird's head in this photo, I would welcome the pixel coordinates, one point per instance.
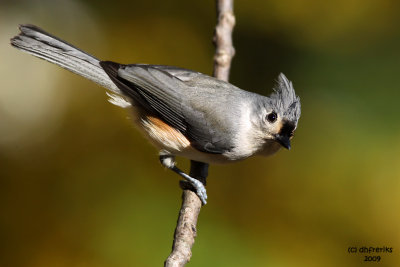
(281, 113)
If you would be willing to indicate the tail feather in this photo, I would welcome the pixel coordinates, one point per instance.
(37, 42)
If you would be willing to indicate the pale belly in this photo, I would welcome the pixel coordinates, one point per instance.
(166, 138)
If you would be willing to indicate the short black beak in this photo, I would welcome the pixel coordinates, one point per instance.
(283, 140)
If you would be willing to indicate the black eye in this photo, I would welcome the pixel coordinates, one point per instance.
(271, 117)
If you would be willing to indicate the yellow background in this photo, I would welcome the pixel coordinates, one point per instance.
(80, 187)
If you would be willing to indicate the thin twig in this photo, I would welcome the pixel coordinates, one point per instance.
(224, 50)
(185, 231)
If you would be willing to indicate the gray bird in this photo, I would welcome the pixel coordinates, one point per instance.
(182, 112)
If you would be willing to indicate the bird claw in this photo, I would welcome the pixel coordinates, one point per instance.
(201, 191)
(168, 161)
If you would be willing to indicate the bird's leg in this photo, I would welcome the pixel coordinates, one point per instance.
(168, 160)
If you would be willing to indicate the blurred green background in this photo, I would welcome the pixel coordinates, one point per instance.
(79, 186)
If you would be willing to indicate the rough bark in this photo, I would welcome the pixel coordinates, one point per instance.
(224, 50)
(185, 231)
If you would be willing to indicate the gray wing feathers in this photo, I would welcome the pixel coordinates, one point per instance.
(157, 83)
(160, 90)
(37, 42)
(177, 96)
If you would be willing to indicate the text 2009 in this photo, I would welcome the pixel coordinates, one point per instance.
(372, 258)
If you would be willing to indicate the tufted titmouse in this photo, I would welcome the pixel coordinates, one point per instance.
(182, 112)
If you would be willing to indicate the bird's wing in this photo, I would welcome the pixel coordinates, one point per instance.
(169, 93)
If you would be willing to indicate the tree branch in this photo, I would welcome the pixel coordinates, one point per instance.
(185, 231)
(224, 51)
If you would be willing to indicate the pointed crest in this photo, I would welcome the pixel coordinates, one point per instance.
(285, 100)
